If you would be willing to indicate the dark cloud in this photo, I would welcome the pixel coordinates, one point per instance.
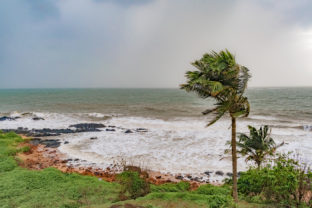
(105, 43)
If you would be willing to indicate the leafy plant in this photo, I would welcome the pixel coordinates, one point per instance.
(287, 182)
(132, 185)
(258, 145)
(218, 76)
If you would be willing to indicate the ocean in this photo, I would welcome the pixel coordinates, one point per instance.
(177, 140)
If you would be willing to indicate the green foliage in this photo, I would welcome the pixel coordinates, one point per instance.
(286, 182)
(218, 76)
(258, 145)
(171, 187)
(213, 190)
(212, 201)
(133, 186)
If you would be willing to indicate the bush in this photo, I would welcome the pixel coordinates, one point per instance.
(213, 190)
(286, 182)
(132, 185)
(211, 201)
(171, 187)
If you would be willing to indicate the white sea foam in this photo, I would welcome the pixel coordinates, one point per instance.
(180, 145)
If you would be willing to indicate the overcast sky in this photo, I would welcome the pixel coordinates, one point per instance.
(150, 43)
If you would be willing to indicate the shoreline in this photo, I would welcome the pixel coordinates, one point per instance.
(40, 157)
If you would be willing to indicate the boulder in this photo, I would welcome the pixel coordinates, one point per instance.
(37, 118)
(128, 131)
(219, 172)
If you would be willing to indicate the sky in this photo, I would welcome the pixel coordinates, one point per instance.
(150, 43)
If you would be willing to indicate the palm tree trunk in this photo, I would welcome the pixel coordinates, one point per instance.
(234, 160)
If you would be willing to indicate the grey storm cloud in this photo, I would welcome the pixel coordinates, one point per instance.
(136, 43)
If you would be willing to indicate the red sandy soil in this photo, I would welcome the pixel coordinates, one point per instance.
(40, 157)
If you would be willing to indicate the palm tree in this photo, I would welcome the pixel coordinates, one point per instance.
(218, 76)
(258, 145)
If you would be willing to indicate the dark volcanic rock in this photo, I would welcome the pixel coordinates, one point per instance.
(112, 126)
(93, 138)
(52, 143)
(179, 177)
(128, 131)
(229, 174)
(4, 118)
(37, 118)
(110, 130)
(208, 172)
(88, 126)
(141, 130)
(220, 173)
(66, 142)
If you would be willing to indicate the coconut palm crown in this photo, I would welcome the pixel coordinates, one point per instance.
(218, 76)
(258, 145)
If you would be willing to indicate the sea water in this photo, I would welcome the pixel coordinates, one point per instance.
(177, 140)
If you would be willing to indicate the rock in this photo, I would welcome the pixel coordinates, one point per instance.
(52, 143)
(179, 177)
(76, 159)
(93, 138)
(158, 177)
(229, 174)
(141, 130)
(128, 131)
(66, 142)
(37, 118)
(208, 172)
(6, 118)
(112, 126)
(88, 126)
(220, 173)
(110, 130)
(189, 177)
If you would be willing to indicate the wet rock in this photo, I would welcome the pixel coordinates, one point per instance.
(93, 138)
(52, 143)
(158, 177)
(197, 179)
(179, 177)
(229, 174)
(189, 177)
(220, 173)
(66, 142)
(208, 172)
(110, 130)
(88, 126)
(111, 126)
(7, 118)
(76, 159)
(37, 118)
(141, 130)
(128, 131)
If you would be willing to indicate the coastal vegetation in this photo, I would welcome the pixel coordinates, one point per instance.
(218, 76)
(257, 146)
(50, 187)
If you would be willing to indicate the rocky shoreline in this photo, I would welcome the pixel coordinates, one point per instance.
(44, 153)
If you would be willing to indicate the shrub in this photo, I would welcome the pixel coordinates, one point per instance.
(209, 189)
(132, 185)
(286, 182)
(171, 187)
(211, 201)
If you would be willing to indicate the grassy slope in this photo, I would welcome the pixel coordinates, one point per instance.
(20, 187)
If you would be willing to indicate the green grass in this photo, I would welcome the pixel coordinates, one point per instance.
(20, 187)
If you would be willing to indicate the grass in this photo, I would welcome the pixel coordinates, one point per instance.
(20, 187)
